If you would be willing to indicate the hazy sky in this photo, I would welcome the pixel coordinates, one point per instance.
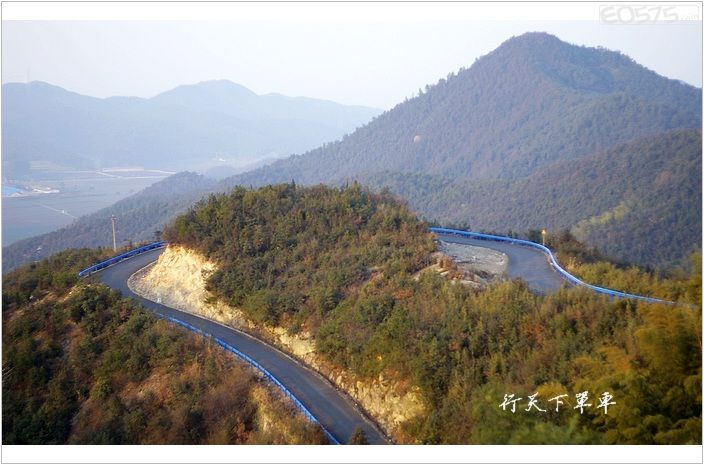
(355, 62)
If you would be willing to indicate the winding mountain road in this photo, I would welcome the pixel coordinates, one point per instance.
(523, 262)
(335, 412)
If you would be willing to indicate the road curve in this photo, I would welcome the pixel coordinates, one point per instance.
(335, 411)
(531, 265)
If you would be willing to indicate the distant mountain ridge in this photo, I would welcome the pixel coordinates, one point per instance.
(228, 98)
(177, 129)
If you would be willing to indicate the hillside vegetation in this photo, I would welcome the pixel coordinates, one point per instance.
(292, 253)
(500, 146)
(343, 263)
(638, 202)
(533, 101)
(83, 366)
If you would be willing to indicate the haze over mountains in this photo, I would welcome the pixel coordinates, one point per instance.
(185, 128)
(538, 133)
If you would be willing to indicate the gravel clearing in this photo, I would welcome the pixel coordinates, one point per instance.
(476, 259)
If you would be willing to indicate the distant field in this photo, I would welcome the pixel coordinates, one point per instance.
(81, 193)
(9, 190)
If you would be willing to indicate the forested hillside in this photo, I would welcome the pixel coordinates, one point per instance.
(83, 366)
(139, 217)
(343, 264)
(638, 202)
(289, 252)
(532, 101)
(524, 114)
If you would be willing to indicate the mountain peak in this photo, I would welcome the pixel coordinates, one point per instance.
(531, 43)
(534, 100)
(217, 87)
(591, 70)
(222, 84)
(535, 38)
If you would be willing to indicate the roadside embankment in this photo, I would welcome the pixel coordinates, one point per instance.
(178, 280)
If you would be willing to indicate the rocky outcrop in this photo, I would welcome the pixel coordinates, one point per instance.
(178, 279)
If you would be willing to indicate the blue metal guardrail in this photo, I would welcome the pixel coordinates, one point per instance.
(297, 403)
(553, 261)
(457, 232)
(220, 342)
(119, 258)
(490, 237)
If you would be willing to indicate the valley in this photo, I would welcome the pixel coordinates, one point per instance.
(70, 195)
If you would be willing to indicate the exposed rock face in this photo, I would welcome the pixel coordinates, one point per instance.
(178, 278)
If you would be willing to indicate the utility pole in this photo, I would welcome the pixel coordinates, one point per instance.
(114, 242)
(543, 233)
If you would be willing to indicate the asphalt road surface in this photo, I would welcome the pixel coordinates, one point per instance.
(523, 262)
(336, 412)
